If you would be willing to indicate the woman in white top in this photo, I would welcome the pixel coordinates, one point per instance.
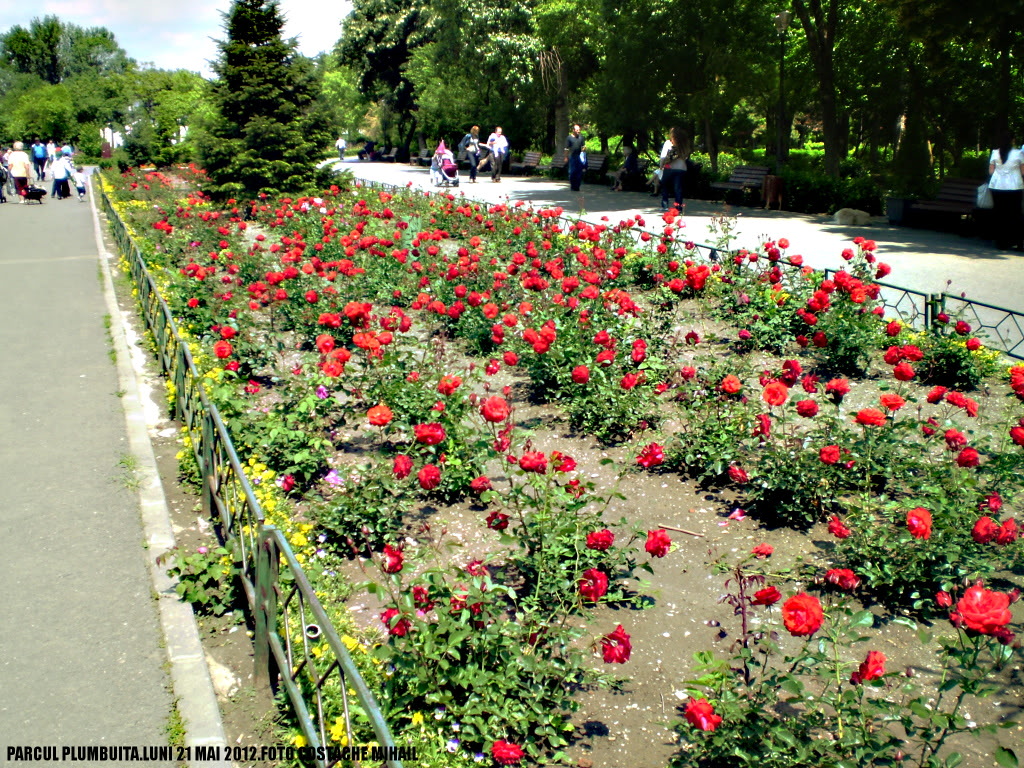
(674, 154)
(1007, 185)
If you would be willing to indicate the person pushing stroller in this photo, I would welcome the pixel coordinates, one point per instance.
(444, 171)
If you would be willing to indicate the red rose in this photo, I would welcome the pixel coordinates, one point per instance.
(955, 440)
(506, 753)
(480, 484)
(510, 358)
(402, 466)
(1007, 533)
(449, 384)
(429, 434)
(658, 543)
(767, 596)
(829, 454)
(838, 389)
(936, 394)
(497, 521)
(616, 646)
(903, 372)
(802, 615)
(398, 628)
(763, 550)
(651, 456)
(872, 668)
(968, 457)
(837, 528)
(985, 530)
(701, 715)
(843, 578)
(973, 344)
(629, 381)
(1017, 435)
(919, 523)
(962, 327)
(379, 415)
(730, 385)
(870, 417)
(983, 610)
(891, 402)
(738, 474)
(223, 349)
(393, 559)
(534, 461)
(429, 477)
(600, 540)
(580, 374)
(943, 599)
(775, 393)
(593, 585)
(807, 408)
(494, 409)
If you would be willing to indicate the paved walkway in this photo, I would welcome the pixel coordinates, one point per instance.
(82, 656)
(922, 260)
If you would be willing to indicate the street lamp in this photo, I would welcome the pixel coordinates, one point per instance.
(782, 20)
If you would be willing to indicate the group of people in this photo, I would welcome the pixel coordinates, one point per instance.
(21, 167)
(497, 151)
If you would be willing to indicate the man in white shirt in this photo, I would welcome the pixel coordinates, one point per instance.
(341, 144)
(498, 145)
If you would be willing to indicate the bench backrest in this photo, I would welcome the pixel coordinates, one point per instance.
(596, 162)
(959, 190)
(745, 174)
(531, 158)
(558, 161)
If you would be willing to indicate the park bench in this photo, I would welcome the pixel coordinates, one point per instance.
(529, 164)
(425, 158)
(633, 182)
(744, 178)
(556, 166)
(389, 156)
(594, 172)
(954, 207)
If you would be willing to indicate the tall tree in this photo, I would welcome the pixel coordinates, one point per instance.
(263, 136)
(820, 22)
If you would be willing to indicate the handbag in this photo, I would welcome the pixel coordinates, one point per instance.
(985, 197)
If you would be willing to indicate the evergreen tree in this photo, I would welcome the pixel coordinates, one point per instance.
(264, 135)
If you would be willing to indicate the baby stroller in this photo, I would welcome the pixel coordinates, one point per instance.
(444, 171)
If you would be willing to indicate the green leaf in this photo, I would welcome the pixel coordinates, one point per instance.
(1006, 758)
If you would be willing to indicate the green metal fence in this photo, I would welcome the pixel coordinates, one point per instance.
(289, 619)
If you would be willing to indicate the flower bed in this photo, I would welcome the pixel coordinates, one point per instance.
(374, 354)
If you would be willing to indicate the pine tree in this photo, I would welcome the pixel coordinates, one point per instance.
(263, 136)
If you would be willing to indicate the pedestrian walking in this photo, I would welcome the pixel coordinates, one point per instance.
(1006, 183)
(21, 168)
(80, 183)
(497, 143)
(674, 154)
(576, 157)
(341, 146)
(39, 158)
(470, 144)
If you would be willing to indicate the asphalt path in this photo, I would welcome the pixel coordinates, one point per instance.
(922, 260)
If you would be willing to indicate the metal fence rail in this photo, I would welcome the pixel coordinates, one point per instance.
(1002, 328)
(288, 616)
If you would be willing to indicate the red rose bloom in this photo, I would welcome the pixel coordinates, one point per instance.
(837, 528)
(763, 550)
(600, 540)
(936, 394)
(449, 384)
(955, 440)
(429, 477)
(767, 596)
(829, 454)
(919, 523)
(1008, 532)
(838, 389)
(534, 461)
(393, 559)
(480, 484)
(402, 466)
(872, 668)
(983, 610)
(629, 381)
(701, 715)
(891, 402)
(903, 372)
(807, 408)
(658, 543)
(497, 521)
(802, 615)
(775, 393)
(730, 385)
(943, 599)
(870, 417)
(593, 585)
(580, 374)
(398, 628)
(494, 409)
(651, 456)
(843, 578)
(429, 434)
(738, 474)
(506, 753)
(379, 415)
(968, 457)
(1017, 435)
(985, 530)
(616, 646)
(223, 349)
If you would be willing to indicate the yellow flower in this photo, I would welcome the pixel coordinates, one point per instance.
(298, 740)
(339, 732)
(417, 718)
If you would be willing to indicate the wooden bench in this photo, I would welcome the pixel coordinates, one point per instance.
(744, 178)
(529, 163)
(556, 166)
(594, 172)
(632, 182)
(955, 196)
(389, 157)
(425, 158)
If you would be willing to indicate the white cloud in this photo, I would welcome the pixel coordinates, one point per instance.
(182, 34)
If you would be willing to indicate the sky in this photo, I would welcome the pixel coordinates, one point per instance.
(180, 34)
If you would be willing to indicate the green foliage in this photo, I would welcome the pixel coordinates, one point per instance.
(206, 578)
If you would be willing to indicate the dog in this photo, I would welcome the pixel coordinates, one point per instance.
(851, 217)
(35, 193)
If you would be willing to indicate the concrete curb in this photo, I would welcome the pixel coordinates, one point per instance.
(196, 700)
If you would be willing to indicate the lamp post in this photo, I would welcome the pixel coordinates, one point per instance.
(782, 20)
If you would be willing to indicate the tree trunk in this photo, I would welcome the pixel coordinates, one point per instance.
(561, 106)
(820, 25)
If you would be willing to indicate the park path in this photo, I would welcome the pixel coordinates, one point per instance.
(82, 656)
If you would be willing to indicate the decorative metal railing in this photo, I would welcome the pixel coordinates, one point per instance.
(296, 645)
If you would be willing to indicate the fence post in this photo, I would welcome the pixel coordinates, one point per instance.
(265, 608)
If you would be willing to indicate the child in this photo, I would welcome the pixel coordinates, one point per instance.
(79, 177)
